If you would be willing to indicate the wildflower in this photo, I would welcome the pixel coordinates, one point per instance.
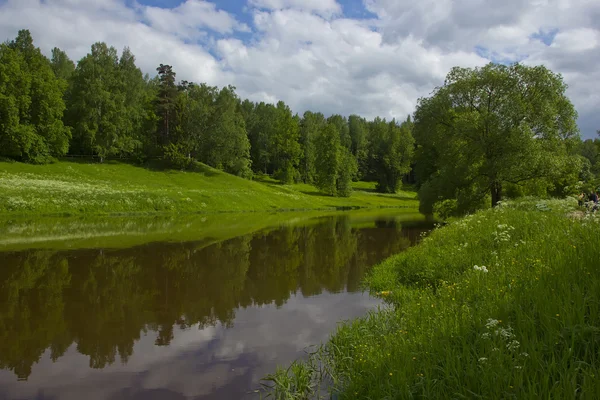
(391, 374)
(483, 268)
(483, 359)
(491, 323)
(514, 345)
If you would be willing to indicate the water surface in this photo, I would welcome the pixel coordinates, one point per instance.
(181, 319)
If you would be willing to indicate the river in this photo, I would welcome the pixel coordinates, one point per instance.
(181, 315)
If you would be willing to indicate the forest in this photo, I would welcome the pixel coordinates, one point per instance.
(486, 134)
(104, 106)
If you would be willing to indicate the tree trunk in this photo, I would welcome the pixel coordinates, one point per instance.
(496, 189)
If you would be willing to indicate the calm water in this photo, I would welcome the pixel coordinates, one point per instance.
(183, 320)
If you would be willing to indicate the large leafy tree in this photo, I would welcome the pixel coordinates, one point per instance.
(132, 94)
(391, 152)
(358, 131)
(97, 102)
(489, 126)
(310, 126)
(31, 103)
(285, 144)
(261, 126)
(225, 144)
(335, 167)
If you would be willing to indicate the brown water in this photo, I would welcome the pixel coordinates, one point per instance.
(183, 320)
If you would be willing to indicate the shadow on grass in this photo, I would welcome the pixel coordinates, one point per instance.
(151, 165)
(394, 196)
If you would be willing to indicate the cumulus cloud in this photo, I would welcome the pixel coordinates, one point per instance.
(312, 56)
(322, 7)
(190, 18)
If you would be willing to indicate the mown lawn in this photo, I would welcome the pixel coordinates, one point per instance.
(112, 187)
(501, 304)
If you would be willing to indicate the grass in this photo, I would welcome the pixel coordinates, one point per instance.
(501, 304)
(118, 188)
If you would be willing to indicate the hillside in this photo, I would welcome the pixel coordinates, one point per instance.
(120, 188)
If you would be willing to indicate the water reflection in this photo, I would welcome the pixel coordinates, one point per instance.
(181, 320)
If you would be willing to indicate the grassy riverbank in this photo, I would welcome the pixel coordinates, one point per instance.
(502, 304)
(113, 188)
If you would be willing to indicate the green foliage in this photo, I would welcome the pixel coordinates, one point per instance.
(166, 101)
(31, 104)
(310, 126)
(328, 159)
(285, 144)
(500, 303)
(358, 130)
(491, 126)
(225, 145)
(335, 166)
(175, 155)
(107, 103)
(346, 173)
(62, 65)
(391, 149)
(446, 208)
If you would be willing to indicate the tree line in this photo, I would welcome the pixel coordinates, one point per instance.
(487, 133)
(104, 106)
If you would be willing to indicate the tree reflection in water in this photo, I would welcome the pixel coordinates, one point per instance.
(103, 300)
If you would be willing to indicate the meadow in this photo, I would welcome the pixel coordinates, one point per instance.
(75, 188)
(500, 304)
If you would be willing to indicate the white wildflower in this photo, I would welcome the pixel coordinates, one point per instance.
(491, 323)
(513, 345)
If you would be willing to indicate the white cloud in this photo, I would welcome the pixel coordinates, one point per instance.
(189, 18)
(321, 7)
(308, 54)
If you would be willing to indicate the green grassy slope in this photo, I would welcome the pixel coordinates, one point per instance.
(81, 188)
(501, 304)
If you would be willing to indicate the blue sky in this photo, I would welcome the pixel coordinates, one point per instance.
(366, 57)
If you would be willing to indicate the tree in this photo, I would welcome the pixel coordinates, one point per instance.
(225, 145)
(31, 103)
(327, 163)
(335, 167)
(285, 145)
(97, 110)
(358, 130)
(310, 126)
(62, 65)
(166, 101)
(132, 93)
(341, 125)
(391, 150)
(261, 131)
(489, 126)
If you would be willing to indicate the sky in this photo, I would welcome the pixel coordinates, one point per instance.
(365, 57)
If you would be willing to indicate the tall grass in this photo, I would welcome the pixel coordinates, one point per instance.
(501, 304)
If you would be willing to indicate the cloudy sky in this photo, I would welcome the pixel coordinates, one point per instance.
(369, 57)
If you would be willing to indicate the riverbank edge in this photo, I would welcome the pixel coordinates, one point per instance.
(490, 303)
(9, 215)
